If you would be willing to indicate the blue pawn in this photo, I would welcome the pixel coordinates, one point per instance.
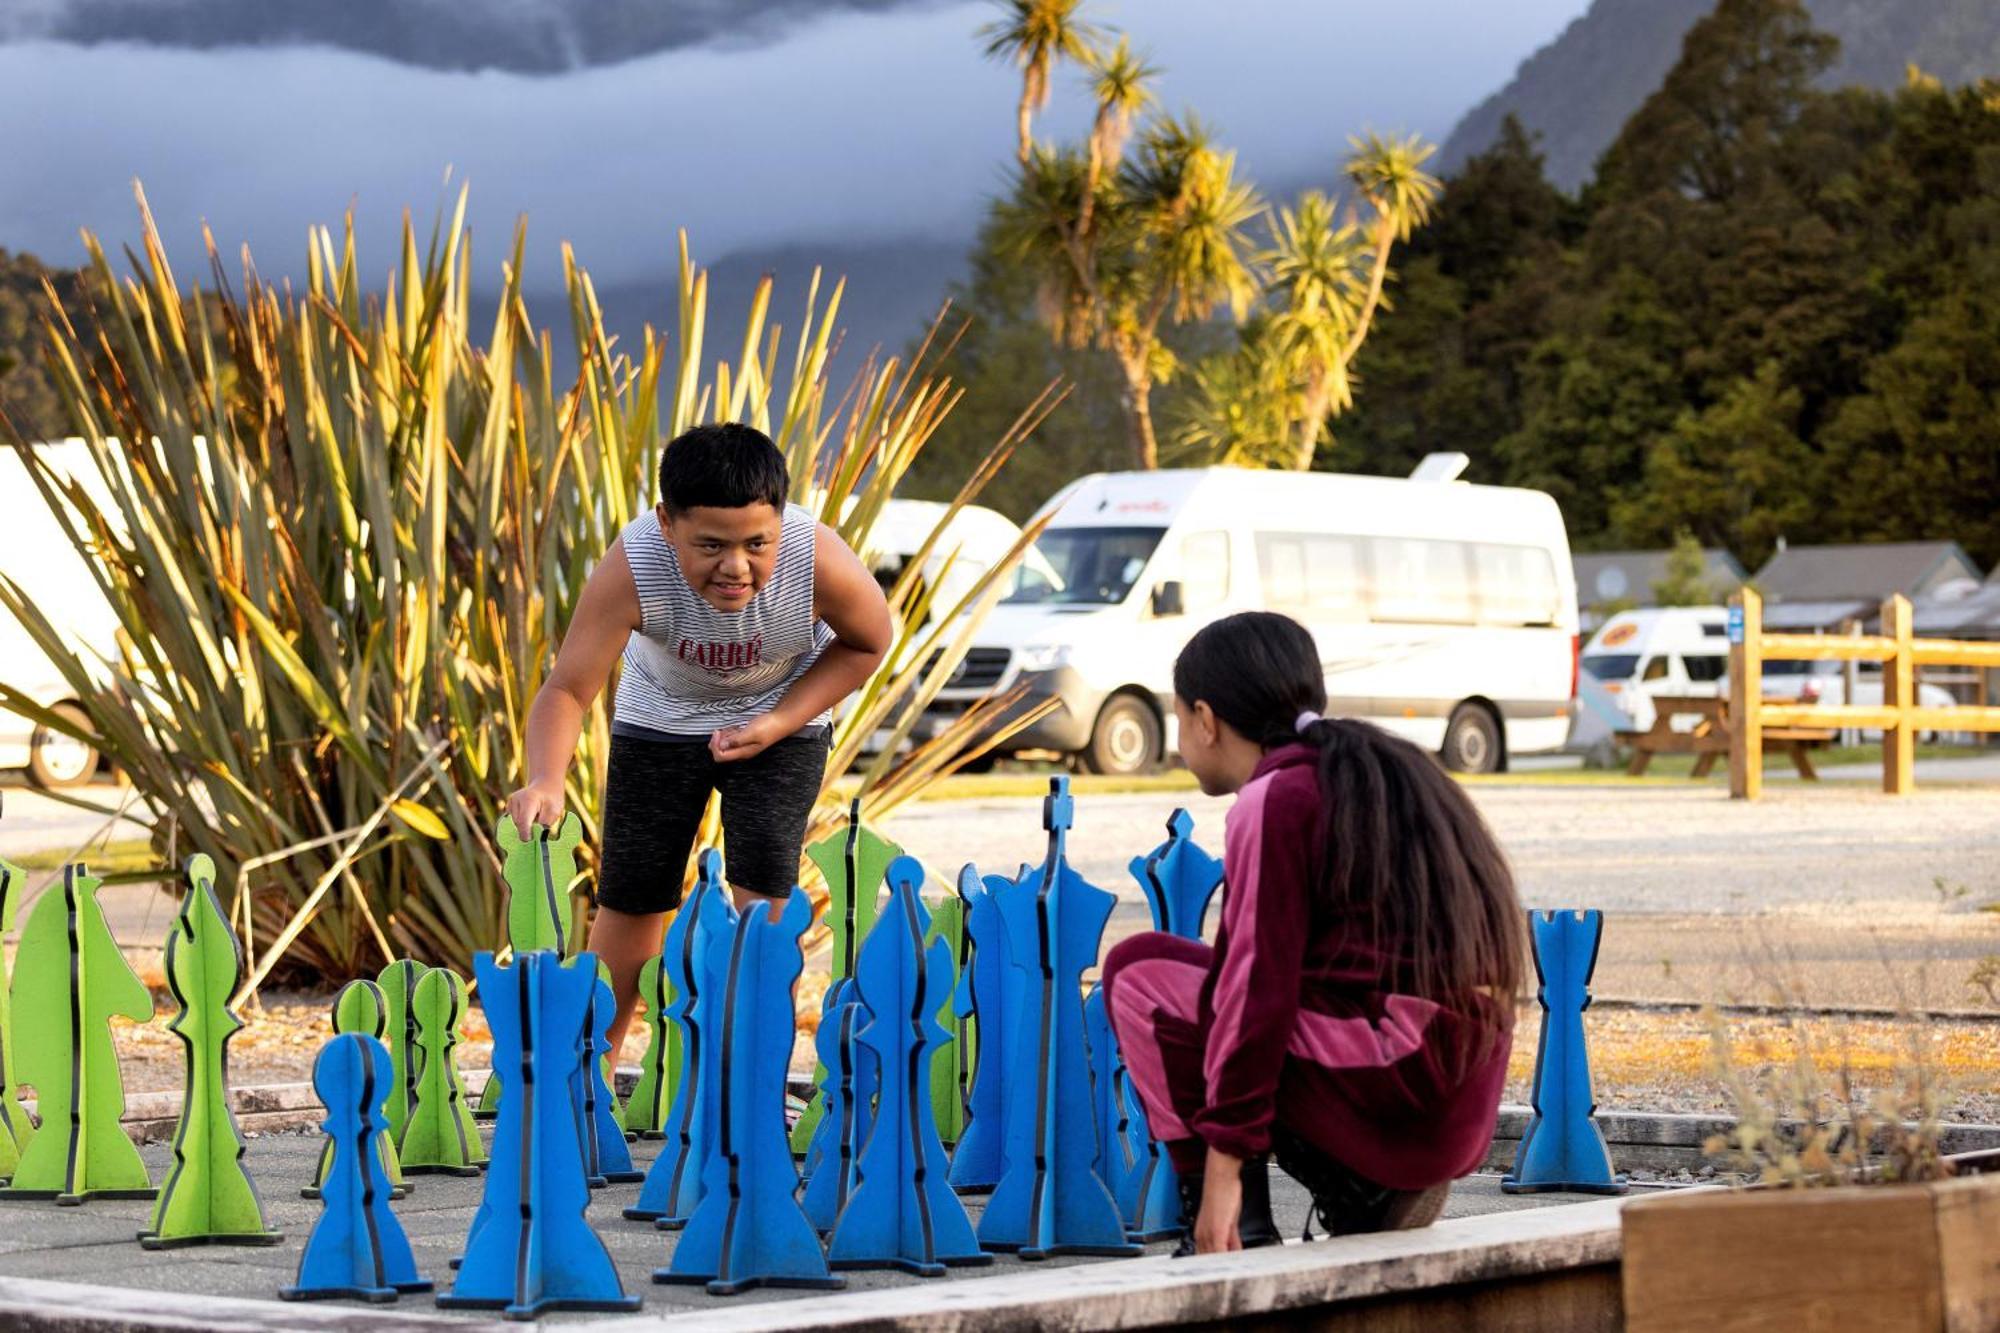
(357, 1250)
(1050, 1200)
(749, 1230)
(531, 1249)
(606, 1159)
(987, 989)
(848, 1094)
(902, 1213)
(1563, 1149)
(1179, 879)
(674, 1182)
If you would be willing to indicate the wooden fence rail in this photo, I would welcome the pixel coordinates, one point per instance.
(1898, 717)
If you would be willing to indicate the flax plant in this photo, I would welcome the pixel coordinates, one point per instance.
(347, 529)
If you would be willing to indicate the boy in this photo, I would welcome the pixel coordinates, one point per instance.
(741, 621)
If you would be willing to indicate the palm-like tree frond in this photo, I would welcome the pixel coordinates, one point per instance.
(1389, 174)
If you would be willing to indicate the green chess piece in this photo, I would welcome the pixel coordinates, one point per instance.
(853, 862)
(951, 1064)
(208, 1197)
(70, 980)
(361, 1007)
(399, 1013)
(660, 1070)
(441, 1135)
(15, 1127)
(538, 871)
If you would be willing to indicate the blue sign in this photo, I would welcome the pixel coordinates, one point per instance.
(1736, 624)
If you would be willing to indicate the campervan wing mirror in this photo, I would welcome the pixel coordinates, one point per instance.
(1168, 599)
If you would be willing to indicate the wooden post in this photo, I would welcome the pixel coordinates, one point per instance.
(1899, 692)
(1746, 695)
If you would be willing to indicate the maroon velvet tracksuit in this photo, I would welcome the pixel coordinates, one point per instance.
(1291, 1015)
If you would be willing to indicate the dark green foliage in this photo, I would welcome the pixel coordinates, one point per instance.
(1580, 88)
(1003, 358)
(27, 393)
(1772, 316)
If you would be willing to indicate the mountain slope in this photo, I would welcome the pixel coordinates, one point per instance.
(1579, 89)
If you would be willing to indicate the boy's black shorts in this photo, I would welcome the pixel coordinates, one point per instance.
(656, 791)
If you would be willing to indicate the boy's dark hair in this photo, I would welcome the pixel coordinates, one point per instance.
(724, 465)
(1402, 846)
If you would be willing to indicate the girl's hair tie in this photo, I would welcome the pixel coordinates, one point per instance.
(1305, 722)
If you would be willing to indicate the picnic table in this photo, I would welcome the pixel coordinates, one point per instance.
(1708, 739)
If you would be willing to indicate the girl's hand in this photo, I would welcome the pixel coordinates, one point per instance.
(1221, 1205)
(752, 738)
(536, 803)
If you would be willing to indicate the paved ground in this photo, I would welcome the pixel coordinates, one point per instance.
(93, 1243)
(1856, 898)
(1705, 898)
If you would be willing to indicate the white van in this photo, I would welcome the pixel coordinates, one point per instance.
(1678, 651)
(1446, 612)
(976, 539)
(36, 555)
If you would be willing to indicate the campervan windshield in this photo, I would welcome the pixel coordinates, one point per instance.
(1084, 566)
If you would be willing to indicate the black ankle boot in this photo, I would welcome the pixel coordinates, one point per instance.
(1346, 1203)
(1254, 1225)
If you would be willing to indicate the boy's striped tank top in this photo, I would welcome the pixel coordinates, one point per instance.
(691, 669)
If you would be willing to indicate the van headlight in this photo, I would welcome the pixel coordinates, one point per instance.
(1044, 656)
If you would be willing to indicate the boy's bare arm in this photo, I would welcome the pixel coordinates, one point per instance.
(606, 615)
(847, 598)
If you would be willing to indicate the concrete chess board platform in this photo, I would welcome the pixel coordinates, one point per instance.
(93, 1245)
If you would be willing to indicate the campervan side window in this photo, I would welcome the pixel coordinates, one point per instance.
(1204, 570)
(1517, 585)
(1313, 576)
(1417, 579)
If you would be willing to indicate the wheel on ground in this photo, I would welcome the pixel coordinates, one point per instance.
(1471, 741)
(1126, 739)
(57, 760)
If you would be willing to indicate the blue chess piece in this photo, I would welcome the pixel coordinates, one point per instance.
(1129, 1162)
(902, 1213)
(1107, 1109)
(986, 989)
(1050, 1200)
(357, 1250)
(848, 1094)
(749, 1231)
(1179, 879)
(1148, 1197)
(674, 1182)
(1563, 1149)
(606, 1159)
(531, 1249)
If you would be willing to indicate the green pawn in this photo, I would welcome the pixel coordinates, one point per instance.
(854, 863)
(360, 1007)
(208, 1198)
(399, 1016)
(441, 1135)
(15, 1127)
(538, 871)
(951, 1062)
(660, 1071)
(69, 981)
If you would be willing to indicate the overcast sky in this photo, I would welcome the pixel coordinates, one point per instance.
(851, 127)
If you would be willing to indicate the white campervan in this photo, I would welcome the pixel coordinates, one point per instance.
(36, 555)
(1445, 611)
(1678, 651)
